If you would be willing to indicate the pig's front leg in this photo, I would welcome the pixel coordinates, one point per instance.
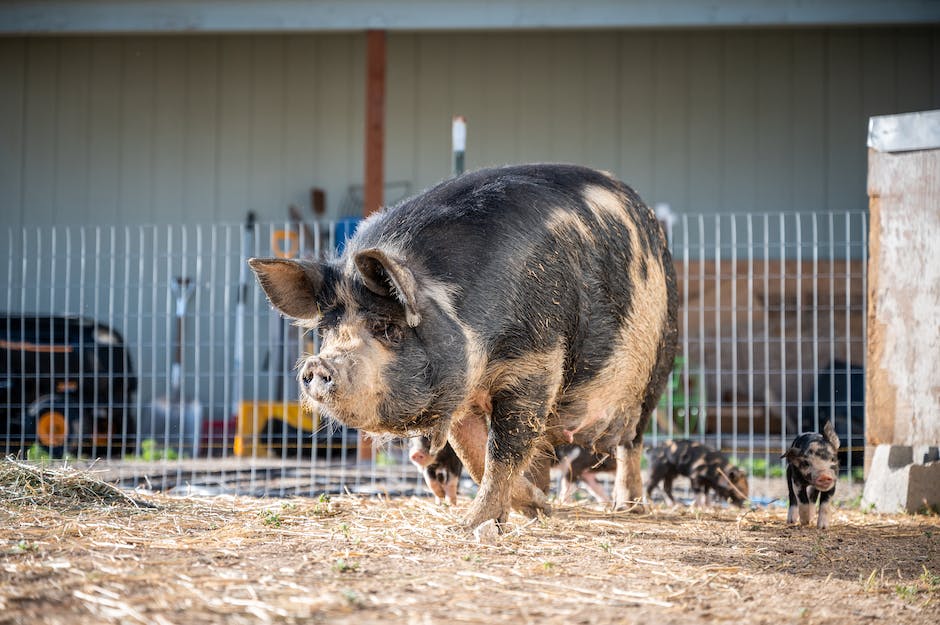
(515, 424)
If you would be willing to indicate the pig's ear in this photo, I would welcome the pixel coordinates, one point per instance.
(388, 277)
(291, 285)
(791, 454)
(830, 433)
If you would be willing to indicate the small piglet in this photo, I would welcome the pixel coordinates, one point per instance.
(441, 470)
(707, 468)
(812, 469)
(578, 464)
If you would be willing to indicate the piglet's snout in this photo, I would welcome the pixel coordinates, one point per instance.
(420, 457)
(318, 377)
(824, 481)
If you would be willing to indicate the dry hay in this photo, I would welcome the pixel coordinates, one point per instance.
(27, 484)
(378, 560)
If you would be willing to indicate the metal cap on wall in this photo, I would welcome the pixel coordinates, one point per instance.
(905, 132)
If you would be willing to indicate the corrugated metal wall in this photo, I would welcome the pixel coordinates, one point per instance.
(202, 129)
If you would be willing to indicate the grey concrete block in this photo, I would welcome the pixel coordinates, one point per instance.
(894, 485)
(899, 456)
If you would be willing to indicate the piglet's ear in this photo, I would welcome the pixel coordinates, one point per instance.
(830, 433)
(791, 454)
(291, 285)
(387, 276)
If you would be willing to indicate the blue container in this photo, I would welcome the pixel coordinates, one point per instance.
(345, 228)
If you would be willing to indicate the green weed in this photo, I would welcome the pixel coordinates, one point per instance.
(25, 546)
(150, 451)
(351, 598)
(38, 453)
(271, 518)
(345, 566)
(760, 467)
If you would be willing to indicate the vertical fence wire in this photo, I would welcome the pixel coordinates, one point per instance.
(771, 326)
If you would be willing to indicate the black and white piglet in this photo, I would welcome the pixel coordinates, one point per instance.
(578, 464)
(441, 471)
(812, 469)
(707, 468)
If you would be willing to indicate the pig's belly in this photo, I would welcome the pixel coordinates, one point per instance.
(605, 410)
(595, 423)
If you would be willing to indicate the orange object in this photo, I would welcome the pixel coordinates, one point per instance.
(52, 428)
(285, 243)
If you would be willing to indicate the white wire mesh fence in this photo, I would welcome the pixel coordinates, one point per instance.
(772, 330)
(152, 352)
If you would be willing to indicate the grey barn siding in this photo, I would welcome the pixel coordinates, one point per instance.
(200, 129)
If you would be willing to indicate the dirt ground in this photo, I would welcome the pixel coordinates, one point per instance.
(399, 560)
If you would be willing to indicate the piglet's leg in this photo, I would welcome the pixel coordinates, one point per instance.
(807, 498)
(567, 485)
(825, 509)
(667, 489)
(567, 489)
(806, 513)
(436, 487)
(797, 495)
(599, 492)
(450, 489)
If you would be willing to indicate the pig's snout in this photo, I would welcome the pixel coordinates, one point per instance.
(318, 377)
(420, 457)
(824, 481)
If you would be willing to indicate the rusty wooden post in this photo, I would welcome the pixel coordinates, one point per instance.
(374, 149)
(375, 121)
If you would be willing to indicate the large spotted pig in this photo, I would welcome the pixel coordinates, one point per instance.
(505, 311)
(812, 470)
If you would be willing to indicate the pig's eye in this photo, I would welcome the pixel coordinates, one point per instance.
(387, 332)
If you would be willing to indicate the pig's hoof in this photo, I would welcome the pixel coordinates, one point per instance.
(534, 509)
(477, 516)
(792, 517)
(487, 532)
